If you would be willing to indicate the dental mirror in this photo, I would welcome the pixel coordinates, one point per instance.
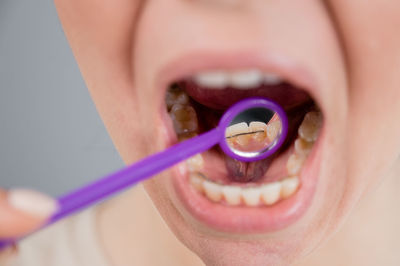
(250, 130)
(254, 129)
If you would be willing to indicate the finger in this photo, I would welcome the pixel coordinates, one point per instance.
(22, 211)
(7, 255)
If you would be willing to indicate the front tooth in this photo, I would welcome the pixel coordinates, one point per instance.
(271, 193)
(246, 79)
(232, 194)
(258, 126)
(214, 79)
(213, 191)
(289, 186)
(197, 181)
(251, 196)
(195, 163)
(272, 79)
(235, 129)
(309, 128)
(294, 164)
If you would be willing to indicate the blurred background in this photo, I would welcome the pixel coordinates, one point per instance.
(51, 137)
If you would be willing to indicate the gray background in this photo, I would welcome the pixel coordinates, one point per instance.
(51, 137)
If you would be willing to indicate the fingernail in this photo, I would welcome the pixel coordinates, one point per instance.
(31, 202)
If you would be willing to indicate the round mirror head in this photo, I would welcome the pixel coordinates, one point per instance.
(253, 129)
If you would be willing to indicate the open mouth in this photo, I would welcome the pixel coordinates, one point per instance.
(244, 197)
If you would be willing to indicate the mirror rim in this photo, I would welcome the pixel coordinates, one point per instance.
(236, 109)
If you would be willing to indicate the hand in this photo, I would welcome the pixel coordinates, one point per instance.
(21, 212)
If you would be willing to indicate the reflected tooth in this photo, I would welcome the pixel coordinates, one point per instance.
(246, 79)
(214, 79)
(309, 128)
(232, 194)
(251, 196)
(273, 129)
(271, 193)
(294, 164)
(197, 181)
(213, 191)
(302, 147)
(184, 118)
(272, 79)
(258, 126)
(289, 186)
(236, 129)
(195, 163)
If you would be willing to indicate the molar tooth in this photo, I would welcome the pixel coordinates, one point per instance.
(195, 163)
(212, 190)
(289, 186)
(272, 79)
(232, 194)
(270, 193)
(251, 196)
(184, 118)
(302, 147)
(212, 79)
(309, 128)
(273, 129)
(197, 181)
(176, 96)
(246, 79)
(294, 164)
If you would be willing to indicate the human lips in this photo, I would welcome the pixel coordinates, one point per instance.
(205, 185)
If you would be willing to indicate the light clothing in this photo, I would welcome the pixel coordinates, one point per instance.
(72, 242)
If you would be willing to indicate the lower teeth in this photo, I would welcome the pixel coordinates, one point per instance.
(185, 122)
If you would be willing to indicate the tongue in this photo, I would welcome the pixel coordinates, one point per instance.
(246, 172)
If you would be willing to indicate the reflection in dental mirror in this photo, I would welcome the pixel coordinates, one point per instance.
(253, 131)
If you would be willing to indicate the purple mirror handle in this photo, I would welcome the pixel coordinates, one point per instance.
(133, 174)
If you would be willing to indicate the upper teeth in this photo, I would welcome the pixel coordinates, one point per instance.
(243, 79)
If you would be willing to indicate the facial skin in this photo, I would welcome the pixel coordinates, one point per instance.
(350, 48)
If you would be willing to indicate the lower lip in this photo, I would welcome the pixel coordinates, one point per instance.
(247, 220)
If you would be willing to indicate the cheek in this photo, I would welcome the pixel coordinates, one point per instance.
(373, 61)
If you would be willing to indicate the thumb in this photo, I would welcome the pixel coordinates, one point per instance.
(22, 211)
